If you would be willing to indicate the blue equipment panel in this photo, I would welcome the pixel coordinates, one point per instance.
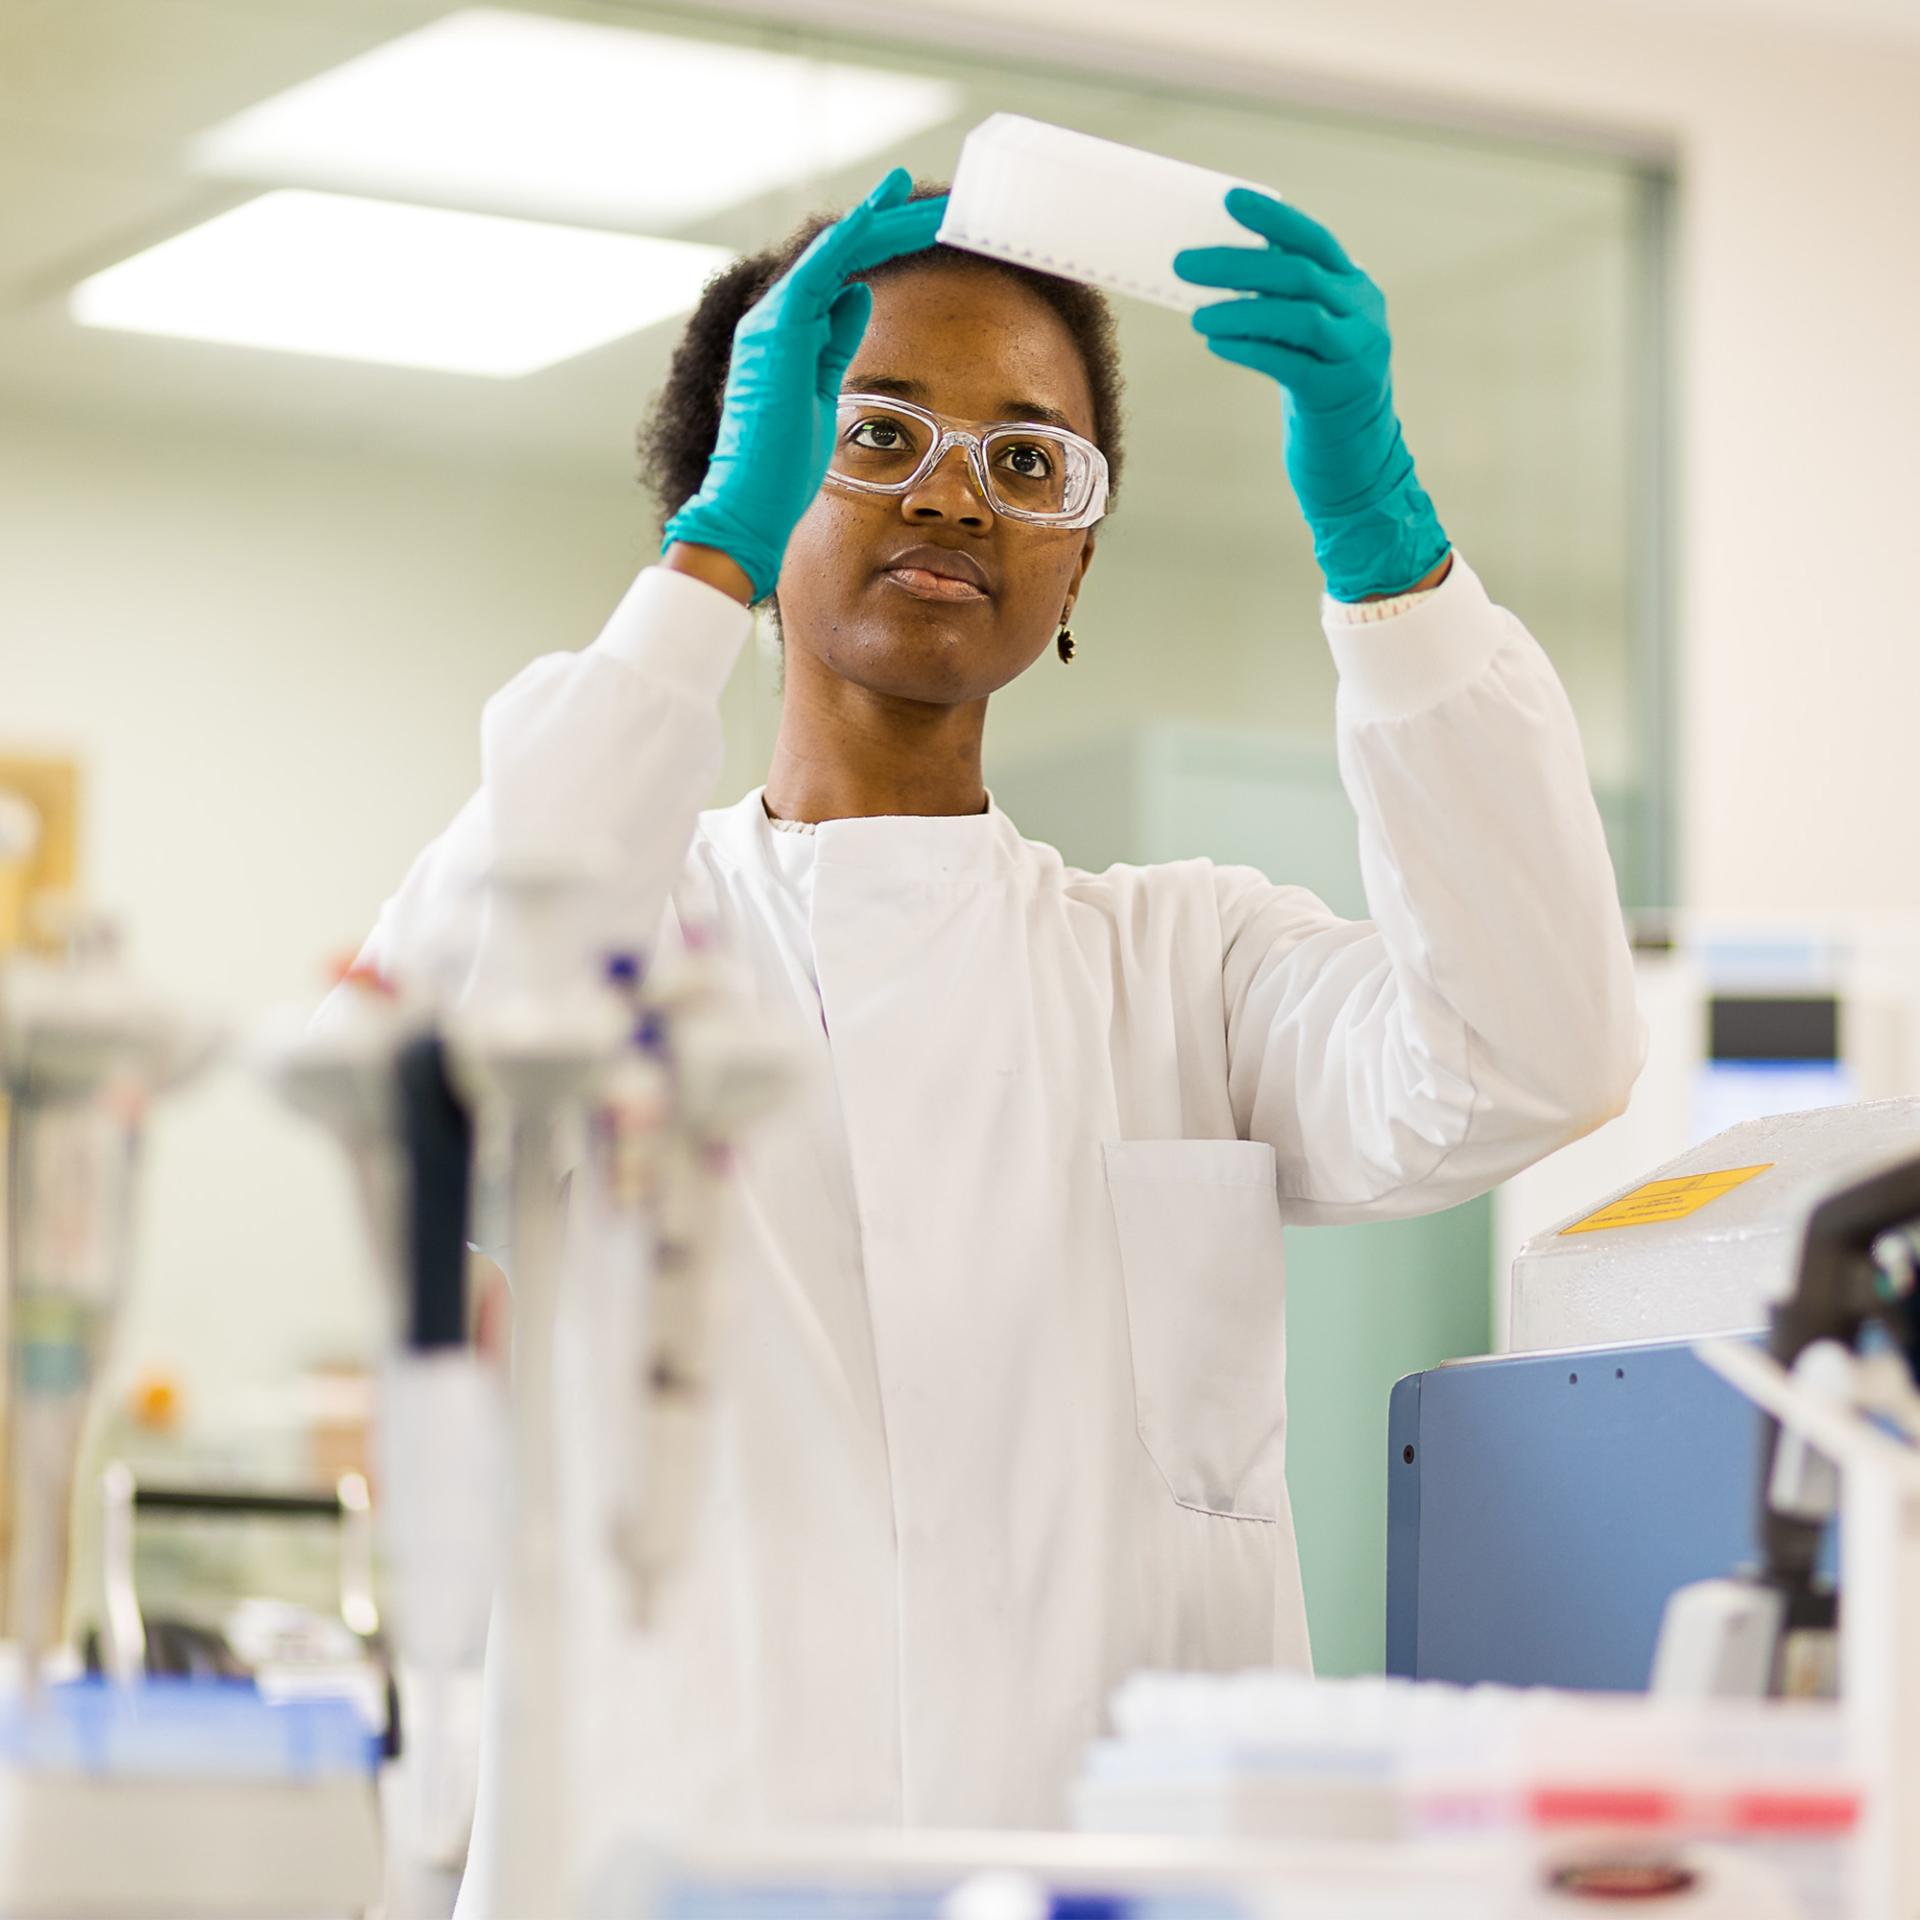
(1541, 1508)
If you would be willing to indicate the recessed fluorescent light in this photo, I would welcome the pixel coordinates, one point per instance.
(520, 113)
(410, 286)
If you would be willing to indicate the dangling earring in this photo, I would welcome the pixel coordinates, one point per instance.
(1064, 641)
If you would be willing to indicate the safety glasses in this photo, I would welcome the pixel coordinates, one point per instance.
(1024, 471)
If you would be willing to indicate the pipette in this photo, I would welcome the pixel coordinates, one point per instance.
(372, 1071)
(723, 1067)
(530, 1049)
(441, 1444)
(82, 1050)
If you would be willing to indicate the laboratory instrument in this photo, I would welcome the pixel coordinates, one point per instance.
(528, 1053)
(285, 1650)
(373, 1073)
(1772, 1629)
(1850, 1429)
(632, 1082)
(84, 1048)
(704, 1068)
(1745, 1021)
(1542, 1508)
(442, 1444)
(1793, 1244)
(1838, 1383)
(1706, 1242)
(574, 1111)
(122, 1794)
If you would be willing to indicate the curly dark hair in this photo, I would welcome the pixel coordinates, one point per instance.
(676, 439)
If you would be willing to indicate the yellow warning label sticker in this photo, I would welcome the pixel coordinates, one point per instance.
(1665, 1200)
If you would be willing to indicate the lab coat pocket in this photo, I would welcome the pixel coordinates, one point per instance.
(1202, 1260)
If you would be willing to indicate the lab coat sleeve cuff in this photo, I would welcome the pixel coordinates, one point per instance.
(677, 629)
(1417, 657)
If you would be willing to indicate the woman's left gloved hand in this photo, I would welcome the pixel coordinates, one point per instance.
(1316, 324)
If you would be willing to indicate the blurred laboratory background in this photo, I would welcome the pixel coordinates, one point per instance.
(1652, 281)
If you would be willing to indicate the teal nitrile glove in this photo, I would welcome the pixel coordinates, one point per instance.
(1318, 325)
(791, 350)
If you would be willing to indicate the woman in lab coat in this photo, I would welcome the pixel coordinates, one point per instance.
(1004, 1414)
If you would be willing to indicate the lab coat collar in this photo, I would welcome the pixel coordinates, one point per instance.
(924, 846)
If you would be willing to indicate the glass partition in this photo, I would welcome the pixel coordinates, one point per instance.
(1522, 291)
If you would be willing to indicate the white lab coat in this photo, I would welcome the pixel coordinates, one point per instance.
(1004, 1415)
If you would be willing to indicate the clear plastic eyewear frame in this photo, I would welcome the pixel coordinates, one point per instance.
(1082, 462)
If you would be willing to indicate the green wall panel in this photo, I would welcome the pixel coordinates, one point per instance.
(1364, 1306)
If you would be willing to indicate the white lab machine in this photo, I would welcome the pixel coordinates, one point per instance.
(1706, 1242)
(1744, 1022)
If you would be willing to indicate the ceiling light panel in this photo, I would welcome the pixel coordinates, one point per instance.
(569, 120)
(408, 286)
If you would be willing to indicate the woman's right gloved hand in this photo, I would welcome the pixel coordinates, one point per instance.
(791, 350)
